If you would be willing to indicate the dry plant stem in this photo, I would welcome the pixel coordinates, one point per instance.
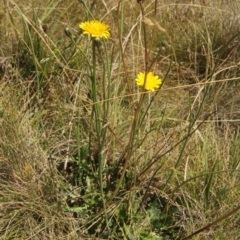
(120, 28)
(213, 223)
(128, 151)
(159, 157)
(154, 28)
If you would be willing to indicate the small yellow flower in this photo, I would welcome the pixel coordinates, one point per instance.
(152, 81)
(95, 29)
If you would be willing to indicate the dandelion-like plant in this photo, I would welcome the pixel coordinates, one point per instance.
(151, 83)
(95, 29)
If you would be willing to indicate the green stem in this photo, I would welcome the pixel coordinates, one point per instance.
(98, 127)
(94, 94)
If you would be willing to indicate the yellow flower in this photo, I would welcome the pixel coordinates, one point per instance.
(95, 29)
(152, 81)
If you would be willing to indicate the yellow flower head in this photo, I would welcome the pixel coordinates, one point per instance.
(152, 81)
(95, 29)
